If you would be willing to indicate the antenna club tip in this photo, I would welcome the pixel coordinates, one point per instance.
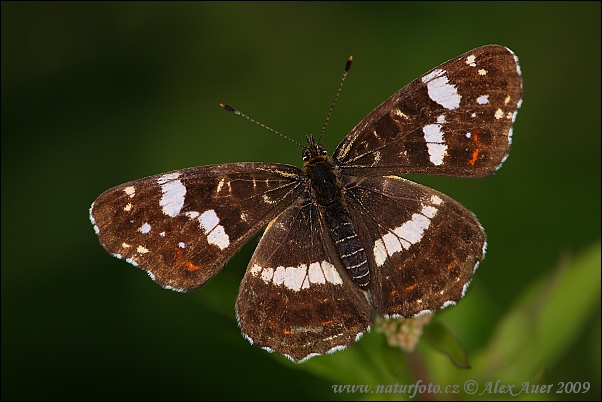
(228, 108)
(348, 65)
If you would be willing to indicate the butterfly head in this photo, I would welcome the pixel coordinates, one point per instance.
(313, 149)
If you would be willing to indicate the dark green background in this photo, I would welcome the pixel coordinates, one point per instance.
(94, 95)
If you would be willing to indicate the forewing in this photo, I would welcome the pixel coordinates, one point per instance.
(422, 246)
(183, 226)
(295, 298)
(456, 120)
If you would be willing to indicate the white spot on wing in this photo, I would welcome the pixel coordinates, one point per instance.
(145, 228)
(255, 269)
(499, 114)
(410, 232)
(470, 60)
(301, 277)
(436, 153)
(208, 220)
(483, 99)
(435, 143)
(435, 199)
(128, 207)
(413, 229)
(433, 133)
(315, 273)
(278, 277)
(167, 177)
(429, 211)
(440, 90)
(131, 191)
(219, 237)
(432, 75)
(399, 113)
(294, 276)
(142, 250)
(331, 273)
(216, 234)
(380, 253)
(220, 185)
(191, 214)
(174, 192)
(267, 275)
(392, 243)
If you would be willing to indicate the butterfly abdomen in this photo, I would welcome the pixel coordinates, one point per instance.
(327, 193)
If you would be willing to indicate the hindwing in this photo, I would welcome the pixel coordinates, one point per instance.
(423, 247)
(296, 298)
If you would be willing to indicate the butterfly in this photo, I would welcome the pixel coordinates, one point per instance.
(346, 237)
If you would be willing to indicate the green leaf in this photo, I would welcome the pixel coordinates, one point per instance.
(544, 323)
(443, 340)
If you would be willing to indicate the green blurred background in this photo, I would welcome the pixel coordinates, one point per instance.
(94, 95)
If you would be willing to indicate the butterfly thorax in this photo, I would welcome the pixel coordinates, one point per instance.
(327, 194)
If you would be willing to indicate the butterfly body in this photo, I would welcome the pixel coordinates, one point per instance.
(346, 237)
(327, 193)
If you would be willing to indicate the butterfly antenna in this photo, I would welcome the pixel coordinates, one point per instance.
(347, 67)
(231, 109)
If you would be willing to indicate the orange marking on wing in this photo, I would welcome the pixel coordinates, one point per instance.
(411, 287)
(393, 292)
(450, 265)
(327, 322)
(191, 266)
(475, 154)
(287, 332)
(479, 144)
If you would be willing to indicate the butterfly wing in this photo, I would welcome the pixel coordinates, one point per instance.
(183, 226)
(295, 298)
(422, 246)
(456, 120)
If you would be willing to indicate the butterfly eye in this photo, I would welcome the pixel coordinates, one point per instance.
(322, 150)
(306, 155)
